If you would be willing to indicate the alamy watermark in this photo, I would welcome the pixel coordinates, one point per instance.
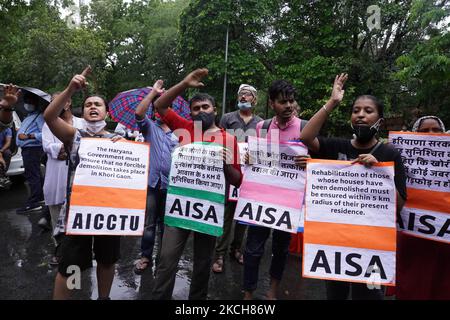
(374, 20)
(74, 280)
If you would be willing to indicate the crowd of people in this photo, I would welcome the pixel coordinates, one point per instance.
(58, 133)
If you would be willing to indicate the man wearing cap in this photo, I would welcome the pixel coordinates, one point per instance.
(240, 123)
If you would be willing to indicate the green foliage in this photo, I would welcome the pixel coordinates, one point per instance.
(309, 42)
(131, 44)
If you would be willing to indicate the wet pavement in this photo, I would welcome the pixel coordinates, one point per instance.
(25, 273)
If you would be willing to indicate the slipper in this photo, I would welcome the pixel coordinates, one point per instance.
(54, 261)
(238, 256)
(218, 265)
(141, 265)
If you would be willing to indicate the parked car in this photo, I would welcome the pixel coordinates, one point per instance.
(16, 167)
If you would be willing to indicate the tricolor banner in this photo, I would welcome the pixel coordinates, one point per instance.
(272, 190)
(426, 157)
(196, 192)
(109, 190)
(350, 231)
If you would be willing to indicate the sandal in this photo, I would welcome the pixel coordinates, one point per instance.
(238, 256)
(141, 265)
(218, 265)
(54, 261)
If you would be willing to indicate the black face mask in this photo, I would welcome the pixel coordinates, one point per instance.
(207, 119)
(365, 133)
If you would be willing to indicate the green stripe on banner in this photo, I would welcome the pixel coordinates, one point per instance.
(193, 225)
(205, 143)
(197, 194)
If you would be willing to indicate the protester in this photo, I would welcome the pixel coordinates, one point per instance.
(55, 182)
(77, 250)
(203, 110)
(283, 127)
(423, 265)
(5, 157)
(242, 124)
(162, 142)
(29, 139)
(10, 95)
(365, 148)
(429, 124)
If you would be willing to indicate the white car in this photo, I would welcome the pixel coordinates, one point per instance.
(16, 166)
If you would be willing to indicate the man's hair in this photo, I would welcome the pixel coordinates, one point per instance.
(281, 88)
(98, 96)
(30, 97)
(202, 97)
(375, 100)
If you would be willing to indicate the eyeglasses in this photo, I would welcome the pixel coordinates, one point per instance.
(4, 108)
(245, 94)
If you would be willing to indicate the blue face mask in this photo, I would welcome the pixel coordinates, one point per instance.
(244, 105)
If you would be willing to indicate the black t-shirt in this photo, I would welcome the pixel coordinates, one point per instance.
(342, 149)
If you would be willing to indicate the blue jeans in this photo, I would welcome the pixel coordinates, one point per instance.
(254, 250)
(32, 163)
(156, 204)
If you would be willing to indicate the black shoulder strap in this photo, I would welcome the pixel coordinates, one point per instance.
(34, 119)
(376, 147)
(265, 128)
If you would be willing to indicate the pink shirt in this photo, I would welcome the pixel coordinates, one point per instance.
(291, 132)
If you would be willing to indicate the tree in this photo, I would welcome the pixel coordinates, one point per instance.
(40, 50)
(203, 26)
(424, 74)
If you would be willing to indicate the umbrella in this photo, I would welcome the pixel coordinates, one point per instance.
(122, 108)
(44, 98)
(37, 92)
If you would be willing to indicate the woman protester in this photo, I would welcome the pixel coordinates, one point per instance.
(365, 148)
(77, 250)
(423, 265)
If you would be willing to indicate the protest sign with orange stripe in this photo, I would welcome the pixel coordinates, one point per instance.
(272, 190)
(109, 188)
(426, 157)
(350, 232)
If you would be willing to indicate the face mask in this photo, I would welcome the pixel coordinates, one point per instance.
(207, 119)
(244, 105)
(365, 133)
(94, 127)
(29, 107)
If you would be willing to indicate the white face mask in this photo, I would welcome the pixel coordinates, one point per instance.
(94, 127)
(29, 107)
